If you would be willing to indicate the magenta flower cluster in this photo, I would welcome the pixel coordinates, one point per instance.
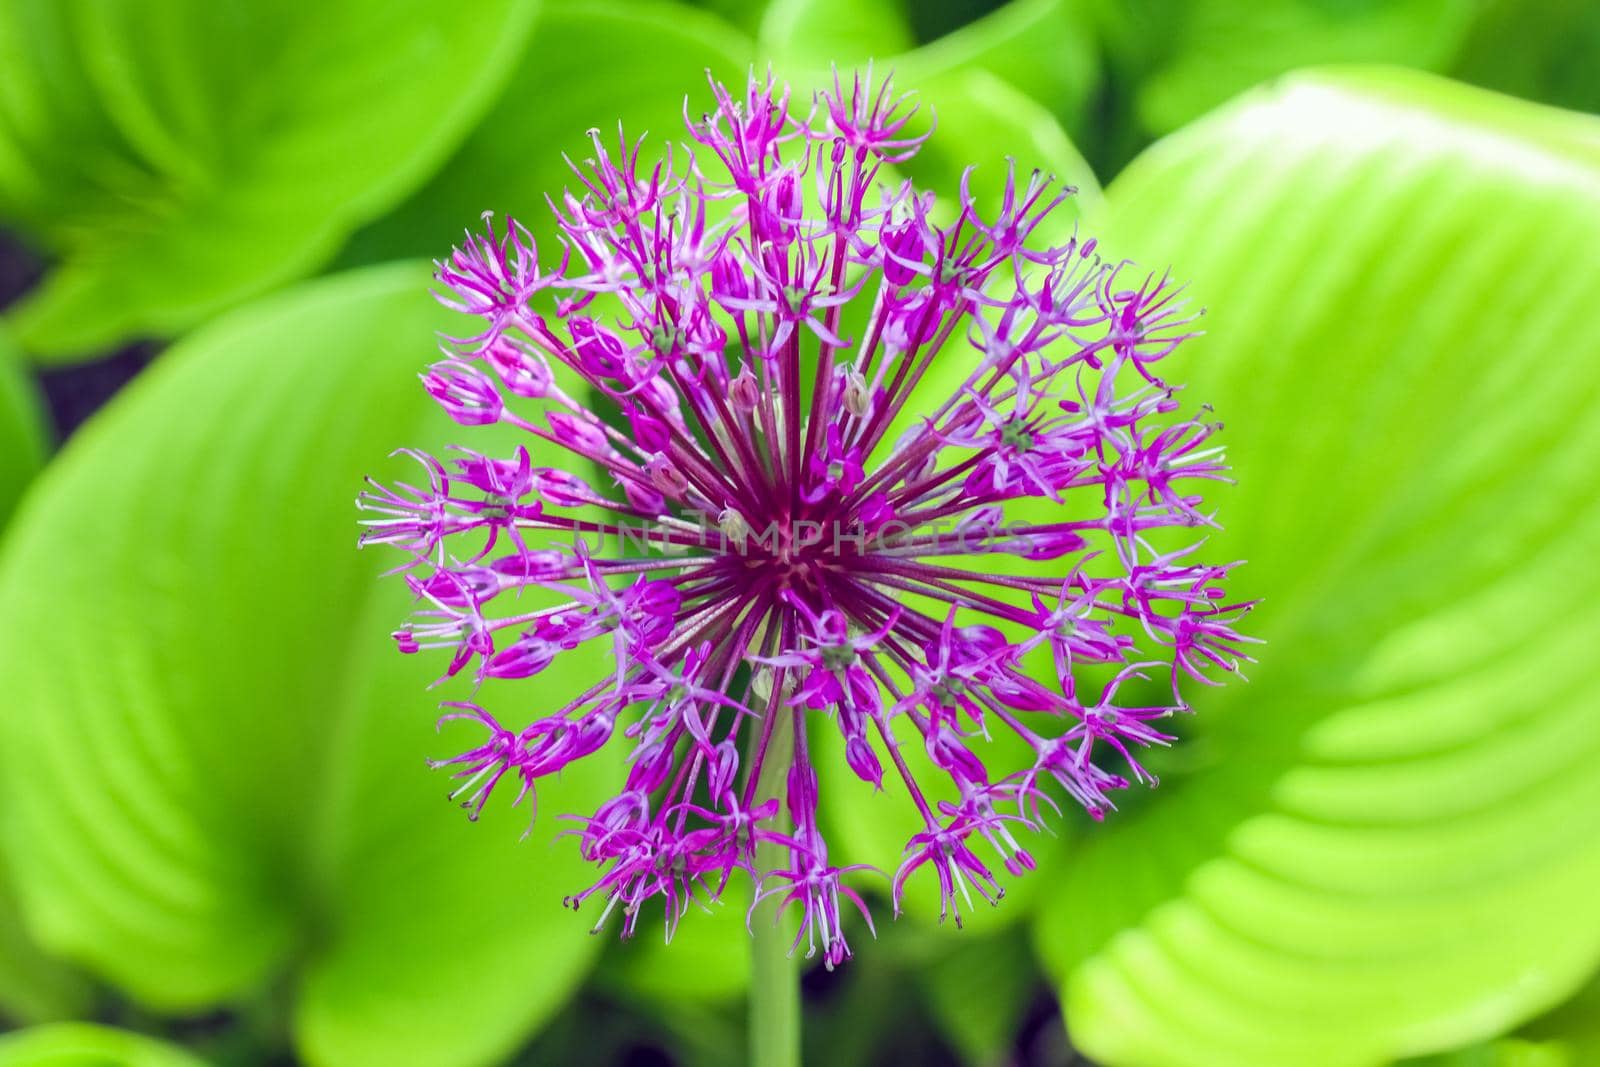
(778, 529)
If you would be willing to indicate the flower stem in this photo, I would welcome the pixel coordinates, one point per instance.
(774, 974)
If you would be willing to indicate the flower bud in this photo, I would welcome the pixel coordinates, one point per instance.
(863, 761)
(467, 395)
(652, 765)
(660, 396)
(459, 588)
(599, 352)
(538, 565)
(644, 498)
(724, 768)
(521, 370)
(1049, 545)
(744, 392)
(562, 488)
(523, 658)
(949, 753)
(905, 245)
(734, 527)
(511, 478)
(580, 435)
(728, 281)
(781, 198)
(665, 476)
(857, 397)
(649, 432)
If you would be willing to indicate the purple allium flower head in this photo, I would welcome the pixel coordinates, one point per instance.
(771, 522)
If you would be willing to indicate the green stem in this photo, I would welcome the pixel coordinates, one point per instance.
(774, 974)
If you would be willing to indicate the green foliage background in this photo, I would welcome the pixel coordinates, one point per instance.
(217, 840)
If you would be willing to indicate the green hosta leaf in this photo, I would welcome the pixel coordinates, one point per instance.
(1045, 48)
(1390, 839)
(1042, 47)
(1572, 1030)
(979, 991)
(744, 14)
(982, 122)
(33, 987)
(655, 55)
(816, 34)
(58, 143)
(185, 178)
(1504, 1052)
(212, 755)
(1196, 55)
(22, 431)
(87, 1045)
(1543, 51)
(658, 55)
(708, 960)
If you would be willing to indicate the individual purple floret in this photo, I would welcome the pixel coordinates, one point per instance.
(769, 519)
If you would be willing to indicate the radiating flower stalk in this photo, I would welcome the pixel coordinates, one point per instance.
(766, 499)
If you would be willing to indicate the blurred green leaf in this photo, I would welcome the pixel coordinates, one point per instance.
(872, 1011)
(979, 992)
(1187, 56)
(1502, 1052)
(22, 429)
(33, 987)
(655, 55)
(1392, 841)
(87, 1045)
(212, 755)
(745, 15)
(1569, 1036)
(1548, 51)
(812, 35)
(692, 989)
(1044, 48)
(983, 121)
(658, 55)
(221, 149)
(1573, 1028)
(708, 960)
(57, 144)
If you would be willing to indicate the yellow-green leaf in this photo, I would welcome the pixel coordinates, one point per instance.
(211, 756)
(1388, 842)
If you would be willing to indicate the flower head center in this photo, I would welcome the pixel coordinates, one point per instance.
(838, 657)
(1017, 437)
